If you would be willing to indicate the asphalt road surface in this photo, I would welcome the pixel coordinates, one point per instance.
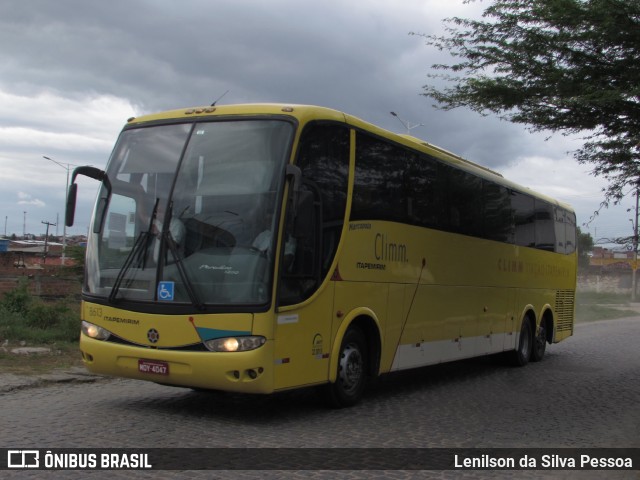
(584, 394)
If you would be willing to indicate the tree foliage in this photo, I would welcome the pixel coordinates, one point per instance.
(77, 256)
(570, 66)
(585, 247)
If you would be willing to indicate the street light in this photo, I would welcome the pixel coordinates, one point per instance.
(66, 166)
(407, 124)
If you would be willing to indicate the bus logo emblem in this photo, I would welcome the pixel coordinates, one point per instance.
(153, 335)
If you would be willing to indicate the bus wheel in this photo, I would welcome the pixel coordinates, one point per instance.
(352, 371)
(521, 355)
(539, 344)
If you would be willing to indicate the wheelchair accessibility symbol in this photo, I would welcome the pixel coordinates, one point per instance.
(165, 291)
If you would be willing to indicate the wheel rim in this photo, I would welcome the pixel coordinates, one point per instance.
(351, 368)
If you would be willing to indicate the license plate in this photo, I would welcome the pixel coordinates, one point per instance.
(153, 366)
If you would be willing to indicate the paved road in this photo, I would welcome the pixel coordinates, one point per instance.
(586, 393)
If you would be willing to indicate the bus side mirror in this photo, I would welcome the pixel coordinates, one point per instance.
(88, 171)
(70, 211)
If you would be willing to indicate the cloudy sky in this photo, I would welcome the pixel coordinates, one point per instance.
(73, 71)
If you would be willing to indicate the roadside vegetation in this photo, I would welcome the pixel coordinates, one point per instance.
(26, 321)
(592, 306)
(24, 318)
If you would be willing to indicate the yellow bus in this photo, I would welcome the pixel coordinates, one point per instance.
(259, 248)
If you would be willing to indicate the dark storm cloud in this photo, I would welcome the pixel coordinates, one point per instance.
(163, 54)
(353, 56)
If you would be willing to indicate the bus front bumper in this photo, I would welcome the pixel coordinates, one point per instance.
(247, 372)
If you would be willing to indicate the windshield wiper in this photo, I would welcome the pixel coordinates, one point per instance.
(139, 250)
(173, 248)
(139, 255)
(141, 246)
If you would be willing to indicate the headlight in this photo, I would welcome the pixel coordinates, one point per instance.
(235, 344)
(94, 331)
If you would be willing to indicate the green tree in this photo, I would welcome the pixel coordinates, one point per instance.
(569, 66)
(77, 256)
(585, 246)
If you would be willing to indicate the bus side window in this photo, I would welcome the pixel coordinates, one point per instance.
(570, 232)
(560, 230)
(323, 158)
(545, 228)
(301, 243)
(464, 197)
(496, 204)
(523, 208)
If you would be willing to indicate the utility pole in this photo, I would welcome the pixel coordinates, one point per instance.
(46, 240)
(66, 166)
(634, 270)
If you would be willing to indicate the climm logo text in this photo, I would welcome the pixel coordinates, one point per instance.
(386, 250)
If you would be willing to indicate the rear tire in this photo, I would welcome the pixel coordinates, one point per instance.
(539, 344)
(351, 377)
(521, 355)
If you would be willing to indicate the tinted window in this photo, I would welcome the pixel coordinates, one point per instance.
(570, 232)
(498, 221)
(395, 184)
(380, 179)
(425, 191)
(545, 226)
(565, 229)
(464, 202)
(323, 158)
(523, 208)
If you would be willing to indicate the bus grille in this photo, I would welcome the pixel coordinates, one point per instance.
(565, 301)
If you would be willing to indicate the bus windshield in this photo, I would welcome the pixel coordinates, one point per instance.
(191, 214)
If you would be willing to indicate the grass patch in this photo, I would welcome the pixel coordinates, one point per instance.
(594, 306)
(602, 298)
(41, 324)
(28, 321)
(593, 313)
(62, 356)
(24, 318)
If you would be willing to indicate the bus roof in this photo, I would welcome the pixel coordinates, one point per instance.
(305, 113)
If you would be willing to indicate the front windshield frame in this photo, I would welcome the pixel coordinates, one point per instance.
(135, 229)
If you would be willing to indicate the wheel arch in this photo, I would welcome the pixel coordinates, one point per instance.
(529, 315)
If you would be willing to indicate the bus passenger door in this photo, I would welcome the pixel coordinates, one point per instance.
(313, 228)
(302, 331)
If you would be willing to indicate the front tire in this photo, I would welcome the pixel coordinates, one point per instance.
(351, 377)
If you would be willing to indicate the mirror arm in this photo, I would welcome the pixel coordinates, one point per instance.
(91, 172)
